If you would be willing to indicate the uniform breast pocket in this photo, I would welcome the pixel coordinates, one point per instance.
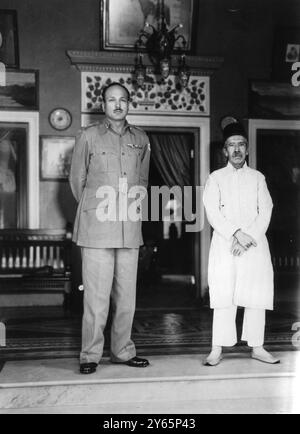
(133, 157)
(106, 161)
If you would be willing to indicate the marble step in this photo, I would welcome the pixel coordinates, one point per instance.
(169, 383)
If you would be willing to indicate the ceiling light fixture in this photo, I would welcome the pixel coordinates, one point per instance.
(159, 44)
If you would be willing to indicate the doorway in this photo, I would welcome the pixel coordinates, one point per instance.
(277, 156)
(13, 175)
(19, 177)
(168, 260)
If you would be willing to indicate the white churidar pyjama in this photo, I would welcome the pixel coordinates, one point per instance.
(224, 327)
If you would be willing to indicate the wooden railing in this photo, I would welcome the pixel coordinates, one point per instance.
(286, 263)
(35, 260)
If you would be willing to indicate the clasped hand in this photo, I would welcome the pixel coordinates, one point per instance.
(241, 243)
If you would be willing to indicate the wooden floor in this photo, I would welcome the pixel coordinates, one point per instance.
(52, 332)
(168, 320)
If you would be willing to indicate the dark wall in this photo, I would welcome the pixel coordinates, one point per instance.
(48, 28)
(245, 40)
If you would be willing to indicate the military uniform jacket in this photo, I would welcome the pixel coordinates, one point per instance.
(101, 158)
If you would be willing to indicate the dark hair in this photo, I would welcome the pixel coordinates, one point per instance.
(115, 83)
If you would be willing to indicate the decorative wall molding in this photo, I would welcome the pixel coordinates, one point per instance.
(100, 67)
(164, 96)
(123, 62)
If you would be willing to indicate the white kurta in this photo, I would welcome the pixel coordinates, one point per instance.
(239, 199)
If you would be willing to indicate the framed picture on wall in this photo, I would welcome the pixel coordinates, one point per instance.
(123, 21)
(21, 90)
(55, 157)
(19, 169)
(9, 47)
(273, 100)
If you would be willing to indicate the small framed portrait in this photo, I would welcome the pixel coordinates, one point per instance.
(55, 157)
(9, 47)
(122, 21)
(292, 53)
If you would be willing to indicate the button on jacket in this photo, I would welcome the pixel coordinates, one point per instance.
(101, 158)
(239, 199)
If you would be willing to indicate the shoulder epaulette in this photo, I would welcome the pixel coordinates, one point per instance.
(87, 127)
(93, 124)
(138, 128)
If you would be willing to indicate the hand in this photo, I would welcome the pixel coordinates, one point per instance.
(245, 240)
(237, 249)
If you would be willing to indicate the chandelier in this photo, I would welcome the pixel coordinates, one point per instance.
(159, 44)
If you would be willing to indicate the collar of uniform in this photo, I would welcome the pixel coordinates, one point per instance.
(108, 126)
(233, 169)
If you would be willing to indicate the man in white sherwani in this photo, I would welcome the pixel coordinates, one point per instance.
(240, 272)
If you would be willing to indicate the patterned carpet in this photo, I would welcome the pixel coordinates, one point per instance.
(50, 332)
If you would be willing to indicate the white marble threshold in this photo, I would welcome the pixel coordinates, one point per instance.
(167, 368)
(239, 383)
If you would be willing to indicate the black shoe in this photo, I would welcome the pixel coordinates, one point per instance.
(88, 368)
(137, 362)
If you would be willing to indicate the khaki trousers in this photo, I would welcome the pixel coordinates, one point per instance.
(224, 327)
(108, 274)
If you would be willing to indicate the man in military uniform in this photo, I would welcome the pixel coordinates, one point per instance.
(109, 155)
